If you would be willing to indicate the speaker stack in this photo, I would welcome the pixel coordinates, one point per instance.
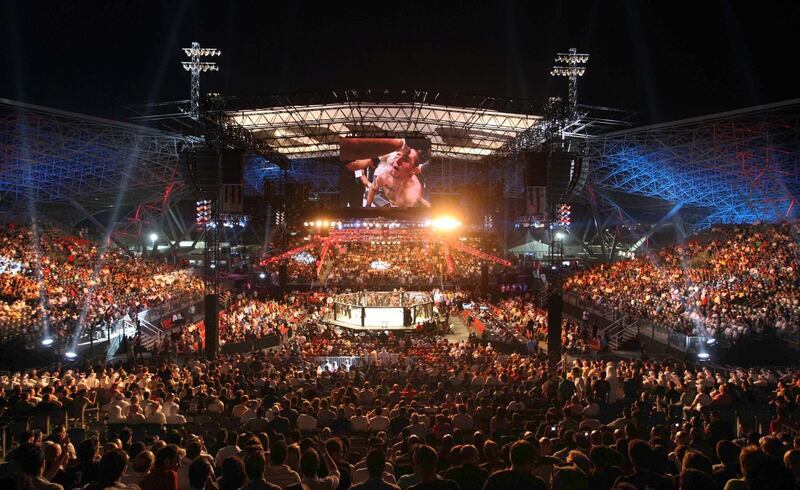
(554, 307)
(212, 325)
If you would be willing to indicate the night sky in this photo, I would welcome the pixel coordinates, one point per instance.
(668, 60)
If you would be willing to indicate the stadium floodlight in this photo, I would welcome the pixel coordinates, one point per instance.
(199, 66)
(195, 67)
(445, 223)
(571, 57)
(572, 70)
(196, 50)
(568, 71)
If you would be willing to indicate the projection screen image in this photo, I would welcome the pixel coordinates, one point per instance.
(390, 169)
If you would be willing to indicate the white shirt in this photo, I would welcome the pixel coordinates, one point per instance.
(225, 453)
(359, 423)
(379, 423)
(157, 418)
(306, 422)
(362, 474)
(216, 406)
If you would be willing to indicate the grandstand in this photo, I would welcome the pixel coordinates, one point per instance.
(295, 290)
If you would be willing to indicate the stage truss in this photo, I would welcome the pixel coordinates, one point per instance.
(735, 167)
(69, 167)
(409, 235)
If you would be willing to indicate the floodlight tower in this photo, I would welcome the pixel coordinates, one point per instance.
(571, 68)
(195, 66)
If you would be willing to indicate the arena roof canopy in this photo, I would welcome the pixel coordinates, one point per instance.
(460, 127)
(69, 166)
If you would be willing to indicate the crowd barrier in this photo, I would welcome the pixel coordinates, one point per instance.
(156, 313)
(244, 347)
(644, 328)
(336, 361)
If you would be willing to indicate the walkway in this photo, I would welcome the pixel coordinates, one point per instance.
(459, 329)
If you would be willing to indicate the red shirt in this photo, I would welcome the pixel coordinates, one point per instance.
(160, 480)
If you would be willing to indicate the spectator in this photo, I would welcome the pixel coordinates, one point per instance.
(376, 462)
(164, 475)
(523, 456)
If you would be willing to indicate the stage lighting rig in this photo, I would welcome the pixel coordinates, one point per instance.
(195, 67)
(571, 69)
(445, 223)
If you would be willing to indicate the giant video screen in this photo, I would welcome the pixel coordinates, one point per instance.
(390, 170)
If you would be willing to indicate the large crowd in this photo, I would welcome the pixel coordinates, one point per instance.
(332, 409)
(60, 282)
(388, 262)
(385, 263)
(249, 318)
(413, 413)
(733, 282)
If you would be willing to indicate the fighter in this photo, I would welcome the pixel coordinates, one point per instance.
(396, 170)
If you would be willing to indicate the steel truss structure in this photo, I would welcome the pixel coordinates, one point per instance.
(306, 129)
(69, 167)
(474, 138)
(734, 167)
(310, 125)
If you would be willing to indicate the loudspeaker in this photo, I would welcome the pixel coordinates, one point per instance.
(565, 169)
(203, 164)
(561, 172)
(212, 325)
(536, 172)
(554, 306)
(484, 277)
(282, 275)
(232, 166)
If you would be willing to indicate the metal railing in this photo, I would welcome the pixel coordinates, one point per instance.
(12, 426)
(617, 332)
(339, 361)
(611, 314)
(641, 328)
(156, 313)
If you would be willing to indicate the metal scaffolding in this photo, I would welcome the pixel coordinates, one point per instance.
(734, 167)
(52, 159)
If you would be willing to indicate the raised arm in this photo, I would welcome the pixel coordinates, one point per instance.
(373, 188)
(361, 148)
(361, 164)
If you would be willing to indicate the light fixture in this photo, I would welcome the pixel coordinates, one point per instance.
(573, 71)
(153, 237)
(262, 276)
(445, 223)
(560, 235)
(47, 342)
(195, 67)
(70, 354)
